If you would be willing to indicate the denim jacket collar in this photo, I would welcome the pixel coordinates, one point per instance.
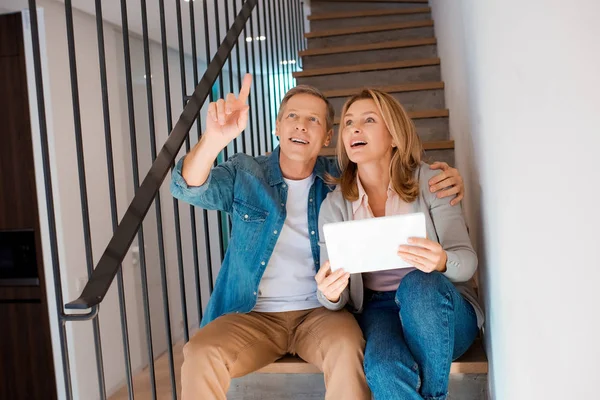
(274, 170)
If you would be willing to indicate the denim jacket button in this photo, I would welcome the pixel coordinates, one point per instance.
(310, 200)
(255, 293)
(274, 232)
(246, 216)
(312, 232)
(262, 263)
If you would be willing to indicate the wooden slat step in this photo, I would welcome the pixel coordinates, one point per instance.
(418, 115)
(368, 13)
(440, 145)
(366, 67)
(474, 361)
(406, 87)
(371, 28)
(394, 44)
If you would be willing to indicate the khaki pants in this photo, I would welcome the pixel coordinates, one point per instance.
(237, 344)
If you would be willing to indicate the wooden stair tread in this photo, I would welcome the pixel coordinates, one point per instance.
(417, 115)
(368, 13)
(406, 87)
(370, 28)
(366, 67)
(474, 361)
(438, 145)
(369, 46)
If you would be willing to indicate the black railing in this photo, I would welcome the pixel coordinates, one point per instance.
(272, 36)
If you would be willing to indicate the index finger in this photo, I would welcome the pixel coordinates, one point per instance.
(245, 89)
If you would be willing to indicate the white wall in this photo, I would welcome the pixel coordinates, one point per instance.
(522, 85)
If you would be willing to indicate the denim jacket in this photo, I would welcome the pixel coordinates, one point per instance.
(253, 192)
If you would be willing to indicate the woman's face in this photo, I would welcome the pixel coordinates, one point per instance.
(365, 136)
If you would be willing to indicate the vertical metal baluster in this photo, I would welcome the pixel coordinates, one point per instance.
(221, 89)
(48, 191)
(239, 68)
(252, 121)
(256, 80)
(276, 61)
(229, 65)
(157, 202)
(267, 95)
(198, 130)
(83, 187)
(212, 98)
(288, 42)
(136, 184)
(292, 33)
(181, 273)
(304, 44)
(112, 191)
(284, 55)
(295, 32)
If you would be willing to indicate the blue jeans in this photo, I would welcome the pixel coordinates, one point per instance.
(413, 335)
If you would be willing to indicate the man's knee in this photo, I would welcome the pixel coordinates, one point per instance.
(202, 351)
(344, 337)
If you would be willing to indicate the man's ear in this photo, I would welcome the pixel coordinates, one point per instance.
(328, 137)
(277, 127)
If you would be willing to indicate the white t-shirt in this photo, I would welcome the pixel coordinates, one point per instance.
(288, 283)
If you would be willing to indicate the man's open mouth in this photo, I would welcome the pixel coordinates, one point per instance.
(298, 140)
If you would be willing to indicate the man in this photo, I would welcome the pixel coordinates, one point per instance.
(264, 304)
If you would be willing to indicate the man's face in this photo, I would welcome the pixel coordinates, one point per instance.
(302, 130)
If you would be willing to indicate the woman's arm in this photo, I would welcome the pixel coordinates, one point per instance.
(452, 233)
(330, 212)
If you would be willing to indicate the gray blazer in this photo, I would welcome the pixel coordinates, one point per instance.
(445, 224)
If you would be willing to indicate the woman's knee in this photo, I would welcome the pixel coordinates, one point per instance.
(419, 291)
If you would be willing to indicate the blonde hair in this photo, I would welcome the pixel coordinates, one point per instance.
(406, 155)
(306, 89)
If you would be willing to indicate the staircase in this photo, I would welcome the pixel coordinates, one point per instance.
(386, 44)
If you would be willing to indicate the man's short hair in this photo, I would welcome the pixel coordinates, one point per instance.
(307, 89)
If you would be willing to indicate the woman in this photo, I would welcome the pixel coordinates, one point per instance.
(415, 321)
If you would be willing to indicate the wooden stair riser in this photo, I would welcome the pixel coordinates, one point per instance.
(326, 24)
(369, 56)
(373, 78)
(317, 7)
(370, 37)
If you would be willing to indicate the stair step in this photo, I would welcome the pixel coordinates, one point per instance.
(369, 28)
(320, 7)
(411, 101)
(474, 361)
(366, 67)
(369, 46)
(378, 17)
(397, 50)
(409, 87)
(440, 145)
(367, 13)
(370, 37)
(414, 115)
(377, 77)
